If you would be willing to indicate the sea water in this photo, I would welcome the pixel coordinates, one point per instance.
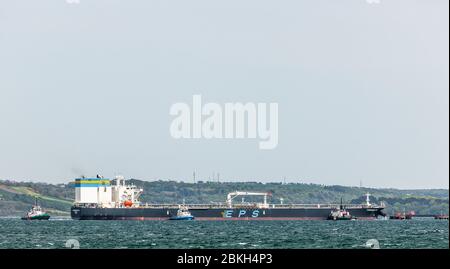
(62, 233)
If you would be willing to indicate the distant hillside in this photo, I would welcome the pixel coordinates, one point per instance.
(16, 197)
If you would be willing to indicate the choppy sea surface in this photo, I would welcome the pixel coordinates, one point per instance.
(62, 233)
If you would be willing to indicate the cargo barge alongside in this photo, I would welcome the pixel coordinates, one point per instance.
(98, 199)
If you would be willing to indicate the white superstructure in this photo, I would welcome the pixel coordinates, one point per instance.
(99, 192)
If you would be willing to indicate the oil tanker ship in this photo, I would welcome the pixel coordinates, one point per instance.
(102, 199)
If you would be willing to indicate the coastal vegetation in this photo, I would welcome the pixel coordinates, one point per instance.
(17, 197)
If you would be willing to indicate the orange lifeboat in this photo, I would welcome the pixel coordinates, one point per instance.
(128, 203)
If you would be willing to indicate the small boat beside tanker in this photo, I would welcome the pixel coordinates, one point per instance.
(36, 213)
(182, 214)
(340, 214)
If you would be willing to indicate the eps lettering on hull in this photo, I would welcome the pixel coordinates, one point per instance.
(240, 213)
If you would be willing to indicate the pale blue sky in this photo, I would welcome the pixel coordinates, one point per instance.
(362, 89)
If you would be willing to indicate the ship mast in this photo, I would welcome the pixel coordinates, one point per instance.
(368, 199)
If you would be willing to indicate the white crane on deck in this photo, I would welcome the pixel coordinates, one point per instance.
(235, 194)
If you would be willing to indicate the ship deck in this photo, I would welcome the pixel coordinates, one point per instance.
(246, 205)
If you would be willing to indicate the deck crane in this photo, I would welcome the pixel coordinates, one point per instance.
(235, 194)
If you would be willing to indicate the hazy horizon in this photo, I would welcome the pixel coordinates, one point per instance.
(362, 89)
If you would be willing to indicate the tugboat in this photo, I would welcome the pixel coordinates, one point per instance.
(182, 214)
(36, 213)
(441, 217)
(403, 216)
(340, 214)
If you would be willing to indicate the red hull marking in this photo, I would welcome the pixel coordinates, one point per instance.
(233, 219)
(260, 218)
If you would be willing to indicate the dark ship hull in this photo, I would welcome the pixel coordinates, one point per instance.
(219, 213)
